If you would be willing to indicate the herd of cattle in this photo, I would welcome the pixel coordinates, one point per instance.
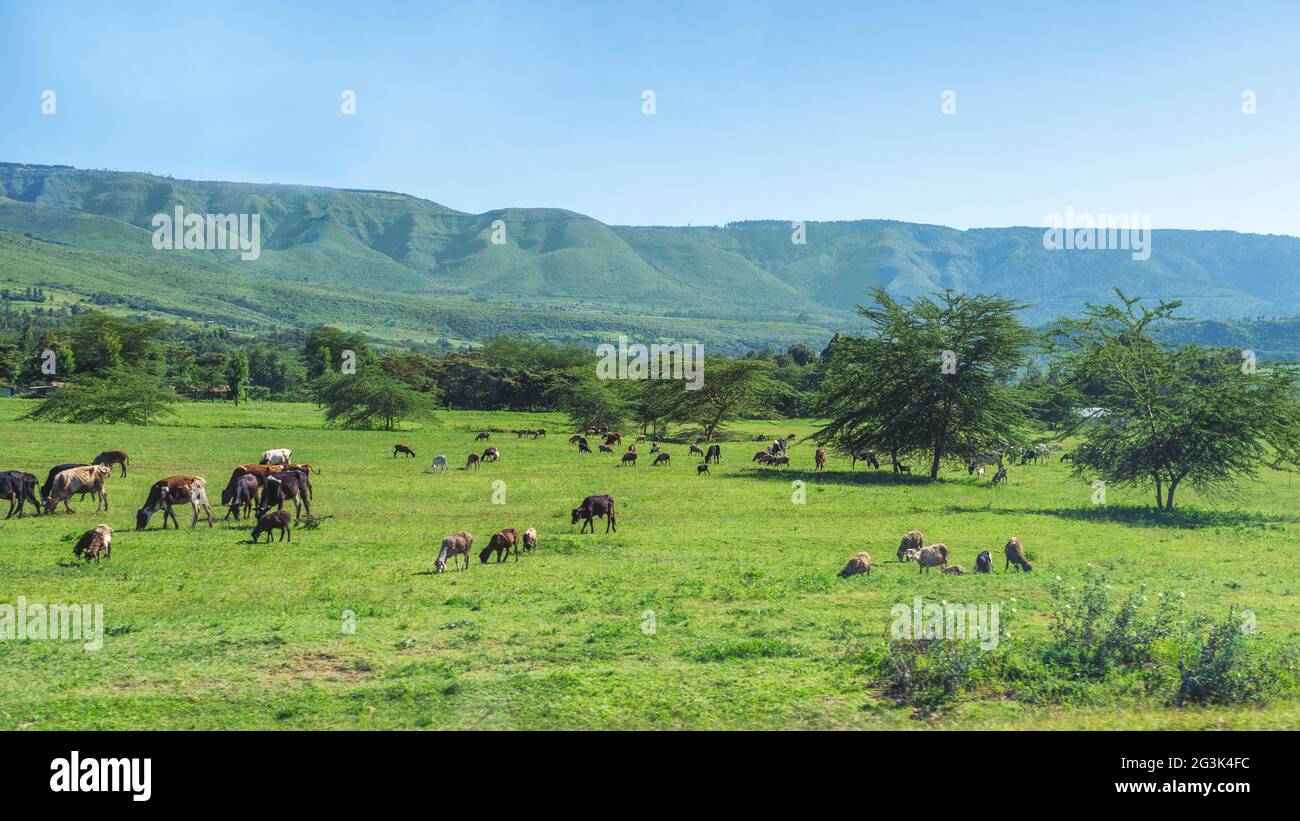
(254, 489)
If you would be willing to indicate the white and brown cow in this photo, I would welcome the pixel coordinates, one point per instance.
(172, 491)
(89, 479)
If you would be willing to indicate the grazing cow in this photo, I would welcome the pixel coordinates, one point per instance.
(110, 458)
(289, 485)
(241, 493)
(502, 542)
(400, 448)
(820, 458)
(593, 507)
(482, 436)
(275, 520)
(260, 471)
(530, 539)
(913, 540)
(457, 544)
(583, 448)
(49, 478)
(540, 432)
(472, 461)
(439, 462)
(278, 456)
(936, 555)
(714, 455)
(701, 469)
(175, 490)
(955, 570)
(858, 563)
(868, 456)
(96, 542)
(629, 457)
(984, 562)
(696, 450)
(79, 480)
(491, 455)
(1015, 553)
(661, 459)
(19, 488)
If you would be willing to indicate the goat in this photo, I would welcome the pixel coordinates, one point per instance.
(472, 461)
(605, 449)
(110, 458)
(714, 455)
(696, 450)
(701, 469)
(439, 462)
(629, 457)
(483, 436)
(457, 544)
(400, 448)
(502, 541)
(491, 455)
(661, 459)
(1015, 554)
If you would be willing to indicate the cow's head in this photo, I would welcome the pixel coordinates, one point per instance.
(142, 518)
(577, 514)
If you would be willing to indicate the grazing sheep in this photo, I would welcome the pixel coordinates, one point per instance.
(661, 459)
(530, 539)
(400, 448)
(955, 570)
(701, 469)
(275, 520)
(779, 461)
(439, 462)
(629, 457)
(641, 438)
(605, 449)
(912, 541)
(583, 448)
(696, 450)
(472, 461)
(577, 439)
(95, 542)
(910, 555)
(482, 436)
(491, 455)
(457, 544)
(1016, 555)
(984, 562)
(859, 563)
(936, 555)
(502, 541)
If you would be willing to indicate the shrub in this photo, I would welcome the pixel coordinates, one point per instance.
(1091, 638)
(1222, 669)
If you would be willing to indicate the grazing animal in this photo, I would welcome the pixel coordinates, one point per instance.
(539, 433)
(780, 461)
(289, 485)
(631, 448)
(110, 458)
(19, 488)
(913, 540)
(614, 438)
(593, 507)
(96, 542)
(1015, 553)
(910, 555)
(275, 520)
(661, 459)
(605, 449)
(502, 542)
(240, 494)
(457, 544)
(820, 458)
(903, 468)
(984, 562)
(629, 457)
(583, 448)
(482, 436)
(400, 448)
(868, 456)
(491, 455)
(696, 450)
(654, 447)
(955, 570)
(175, 490)
(530, 539)
(936, 555)
(980, 471)
(577, 439)
(858, 563)
(49, 478)
(89, 479)
(641, 438)
(701, 469)
(472, 461)
(260, 471)
(714, 455)
(278, 456)
(1000, 475)
(439, 462)
(761, 457)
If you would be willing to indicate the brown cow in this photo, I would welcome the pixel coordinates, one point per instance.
(174, 490)
(400, 448)
(78, 480)
(502, 541)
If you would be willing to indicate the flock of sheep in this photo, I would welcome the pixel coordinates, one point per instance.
(910, 549)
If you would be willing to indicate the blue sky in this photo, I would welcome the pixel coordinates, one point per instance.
(763, 110)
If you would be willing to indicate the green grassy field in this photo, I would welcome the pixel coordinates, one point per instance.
(752, 628)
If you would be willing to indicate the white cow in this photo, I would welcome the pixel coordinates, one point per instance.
(279, 456)
(440, 463)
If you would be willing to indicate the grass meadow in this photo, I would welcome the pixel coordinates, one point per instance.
(751, 626)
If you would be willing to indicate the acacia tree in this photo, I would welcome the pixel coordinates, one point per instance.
(1169, 416)
(120, 395)
(369, 399)
(730, 388)
(237, 374)
(932, 377)
(589, 401)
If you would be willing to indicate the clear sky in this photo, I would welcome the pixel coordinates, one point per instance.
(785, 110)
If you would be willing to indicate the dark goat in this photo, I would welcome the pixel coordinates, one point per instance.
(714, 454)
(400, 448)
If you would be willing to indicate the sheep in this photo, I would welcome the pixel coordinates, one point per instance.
(984, 562)
(502, 541)
(912, 541)
(1015, 553)
(456, 544)
(472, 462)
(275, 520)
(661, 459)
(955, 570)
(94, 542)
(910, 555)
(629, 458)
(530, 539)
(858, 563)
(439, 462)
(936, 555)
(604, 449)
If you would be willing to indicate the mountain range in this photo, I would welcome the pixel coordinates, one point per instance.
(399, 267)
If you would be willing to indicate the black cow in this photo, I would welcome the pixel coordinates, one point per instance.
(19, 488)
(713, 455)
(240, 493)
(281, 487)
(592, 507)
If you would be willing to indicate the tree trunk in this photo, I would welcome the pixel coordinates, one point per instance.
(934, 465)
(1169, 497)
(1160, 496)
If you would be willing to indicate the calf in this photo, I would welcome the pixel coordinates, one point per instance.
(593, 507)
(175, 490)
(276, 520)
(502, 541)
(110, 458)
(457, 544)
(400, 448)
(95, 542)
(19, 488)
(78, 480)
